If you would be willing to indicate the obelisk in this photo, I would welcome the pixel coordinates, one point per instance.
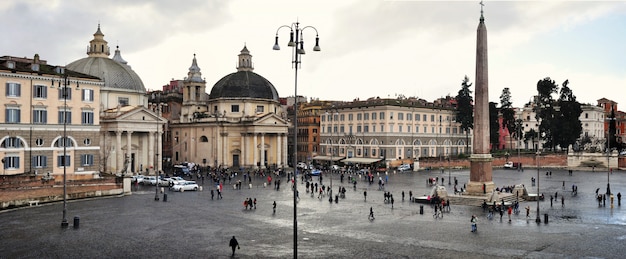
(480, 182)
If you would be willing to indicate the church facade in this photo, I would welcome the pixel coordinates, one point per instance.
(239, 125)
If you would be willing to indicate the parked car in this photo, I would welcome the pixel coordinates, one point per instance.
(404, 167)
(148, 180)
(335, 167)
(175, 180)
(508, 165)
(302, 165)
(137, 178)
(185, 186)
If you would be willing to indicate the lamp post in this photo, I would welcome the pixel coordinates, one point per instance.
(608, 155)
(65, 93)
(332, 153)
(157, 100)
(298, 49)
(518, 127)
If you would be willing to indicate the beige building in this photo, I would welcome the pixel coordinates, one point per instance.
(41, 104)
(390, 129)
(240, 124)
(131, 134)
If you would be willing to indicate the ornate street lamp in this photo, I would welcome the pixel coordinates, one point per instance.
(65, 93)
(297, 44)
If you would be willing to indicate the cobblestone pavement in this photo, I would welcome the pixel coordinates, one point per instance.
(191, 225)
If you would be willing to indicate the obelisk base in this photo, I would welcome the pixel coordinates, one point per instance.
(480, 183)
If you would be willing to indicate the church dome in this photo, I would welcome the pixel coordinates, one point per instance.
(244, 83)
(115, 72)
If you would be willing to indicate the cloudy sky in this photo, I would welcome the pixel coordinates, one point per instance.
(370, 48)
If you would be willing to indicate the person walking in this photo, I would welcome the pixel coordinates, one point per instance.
(234, 245)
(509, 211)
(274, 206)
(562, 201)
(474, 222)
(365, 195)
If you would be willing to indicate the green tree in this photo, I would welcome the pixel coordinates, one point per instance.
(494, 126)
(508, 113)
(544, 110)
(519, 130)
(568, 118)
(465, 110)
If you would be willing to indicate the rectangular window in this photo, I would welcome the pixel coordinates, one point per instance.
(350, 116)
(11, 162)
(86, 160)
(400, 127)
(432, 130)
(408, 129)
(123, 101)
(13, 90)
(260, 108)
(382, 128)
(366, 128)
(40, 161)
(424, 117)
(64, 162)
(358, 129)
(366, 116)
(373, 116)
(359, 116)
(40, 91)
(381, 115)
(87, 95)
(432, 117)
(12, 115)
(65, 93)
(67, 115)
(342, 117)
(400, 116)
(447, 130)
(417, 117)
(417, 129)
(87, 118)
(234, 108)
(391, 115)
(40, 116)
(409, 117)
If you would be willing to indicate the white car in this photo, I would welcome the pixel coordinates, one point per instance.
(175, 180)
(508, 165)
(404, 167)
(185, 186)
(137, 178)
(148, 180)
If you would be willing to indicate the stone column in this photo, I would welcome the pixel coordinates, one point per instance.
(159, 150)
(262, 150)
(242, 162)
(254, 152)
(285, 149)
(118, 151)
(150, 137)
(279, 151)
(129, 150)
(481, 182)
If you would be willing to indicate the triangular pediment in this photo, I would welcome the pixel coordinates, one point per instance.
(270, 119)
(136, 114)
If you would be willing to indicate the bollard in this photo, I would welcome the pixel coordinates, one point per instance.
(421, 209)
(545, 218)
(76, 222)
(164, 197)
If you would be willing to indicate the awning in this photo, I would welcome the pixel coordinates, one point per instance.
(328, 158)
(361, 160)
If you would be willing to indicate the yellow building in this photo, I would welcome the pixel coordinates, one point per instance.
(240, 124)
(41, 104)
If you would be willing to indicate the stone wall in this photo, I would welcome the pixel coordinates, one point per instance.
(17, 191)
(528, 161)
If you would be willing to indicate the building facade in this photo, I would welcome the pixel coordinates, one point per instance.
(131, 134)
(391, 129)
(43, 105)
(239, 125)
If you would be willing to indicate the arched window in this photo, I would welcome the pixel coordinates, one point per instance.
(204, 139)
